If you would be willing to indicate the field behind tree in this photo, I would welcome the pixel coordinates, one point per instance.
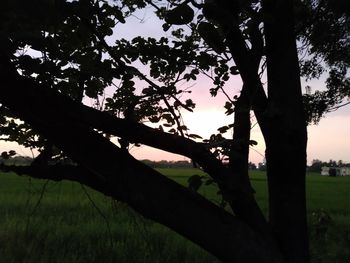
(45, 221)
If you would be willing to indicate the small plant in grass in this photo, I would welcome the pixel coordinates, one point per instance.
(321, 223)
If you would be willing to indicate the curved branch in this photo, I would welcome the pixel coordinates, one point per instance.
(115, 173)
(40, 99)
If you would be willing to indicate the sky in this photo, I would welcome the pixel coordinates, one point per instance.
(330, 139)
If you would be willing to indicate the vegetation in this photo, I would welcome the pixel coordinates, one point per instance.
(63, 224)
(56, 54)
(316, 165)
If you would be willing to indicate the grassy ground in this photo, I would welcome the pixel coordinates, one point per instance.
(44, 221)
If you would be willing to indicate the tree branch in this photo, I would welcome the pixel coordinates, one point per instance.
(40, 99)
(247, 65)
(130, 69)
(117, 174)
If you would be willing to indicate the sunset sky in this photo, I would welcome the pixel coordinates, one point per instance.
(330, 139)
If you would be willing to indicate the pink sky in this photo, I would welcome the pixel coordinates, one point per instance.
(330, 139)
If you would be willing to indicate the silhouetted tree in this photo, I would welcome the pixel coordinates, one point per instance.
(74, 58)
(316, 166)
(252, 166)
(262, 166)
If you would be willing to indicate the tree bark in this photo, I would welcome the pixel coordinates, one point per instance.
(238, 163)
(286, 136)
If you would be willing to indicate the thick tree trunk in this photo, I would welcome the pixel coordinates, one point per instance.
(286, 136)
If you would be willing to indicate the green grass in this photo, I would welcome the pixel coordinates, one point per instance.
(65, 226)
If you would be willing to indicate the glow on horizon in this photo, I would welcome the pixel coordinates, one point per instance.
(328, 140)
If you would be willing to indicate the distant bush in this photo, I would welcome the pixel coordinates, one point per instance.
(168, 164)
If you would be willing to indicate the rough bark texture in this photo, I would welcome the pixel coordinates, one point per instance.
(287, 136)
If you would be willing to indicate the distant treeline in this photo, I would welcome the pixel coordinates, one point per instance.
(25, 160)
(188, 164)
(16, 160)
(316, 165)
(168, 164)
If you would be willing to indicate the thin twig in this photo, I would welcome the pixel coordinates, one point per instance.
(337, 107)
(100, 213)
(36, 205)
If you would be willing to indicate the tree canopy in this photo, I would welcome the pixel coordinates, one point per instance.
(55, 54)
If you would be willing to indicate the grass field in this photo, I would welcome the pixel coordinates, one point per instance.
(43, 221)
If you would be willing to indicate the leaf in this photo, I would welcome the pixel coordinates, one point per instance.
(12, 153)
(93, 87)
(228, 105)
(147, 91)
(177, 104)
(119, 15)
(5, 155)
(190, 104)
(229, 112)
(229, 108)
(205, 60)
(223, 129)
(211, 36)
(226, 77)
(168, 118)
(183, 127)
(108, 22)
(154, 119)
(180, 15)
(195, 136)
(166, 26)
(194, 182)
(252, 142)
(213, 92)
(234, 70)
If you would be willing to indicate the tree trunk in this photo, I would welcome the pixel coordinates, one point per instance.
(246, 207)
(286, 136)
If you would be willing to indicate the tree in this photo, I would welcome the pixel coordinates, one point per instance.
(252, 166)
(316, 166)
(324, 31)
(224, 37)
(262, 166)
